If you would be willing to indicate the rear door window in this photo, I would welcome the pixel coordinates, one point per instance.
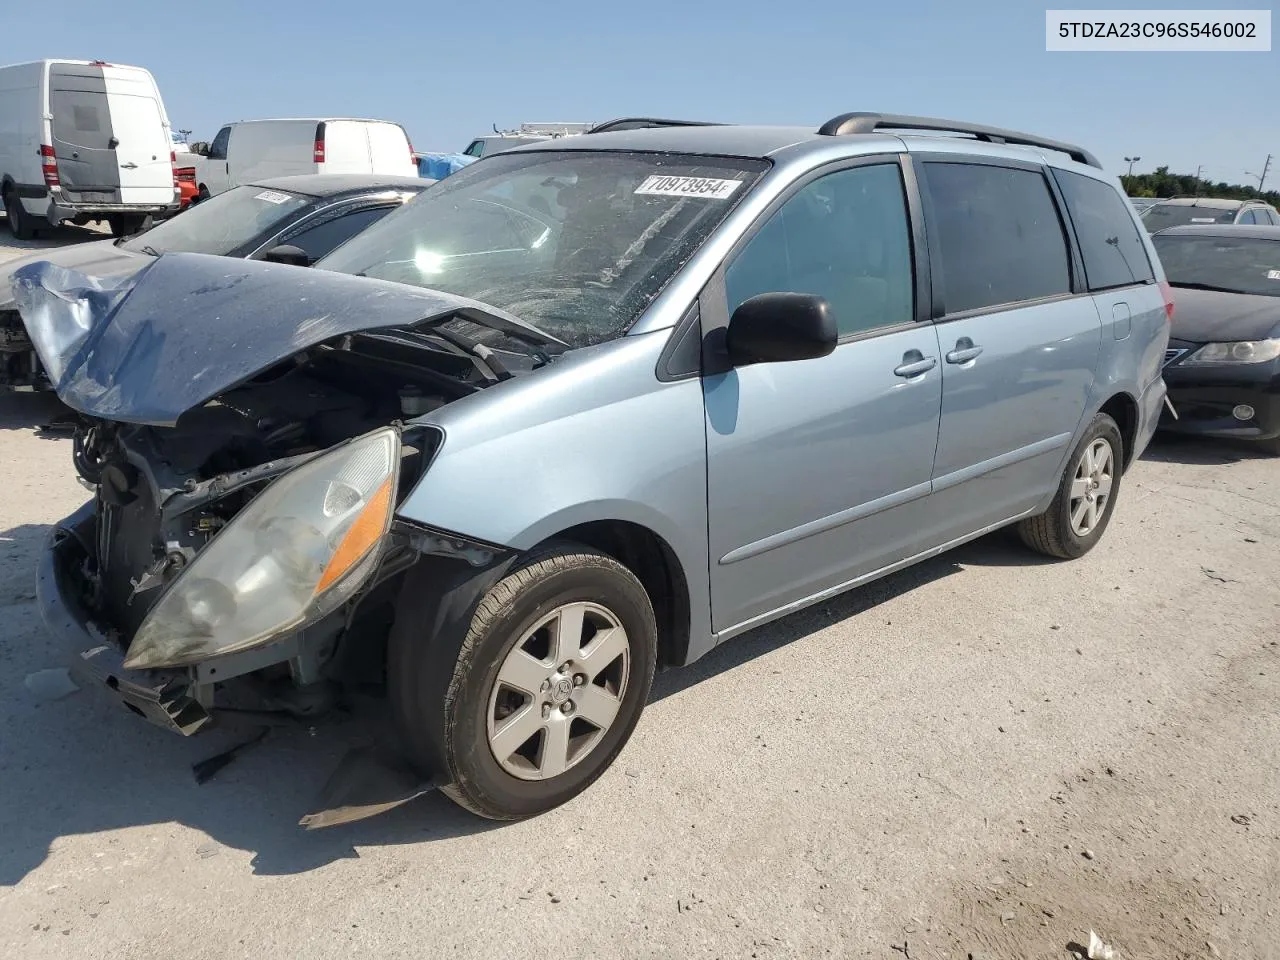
(1247, 217)
(1110, 243)
(999, 236)
(321, 238)
(80, 117)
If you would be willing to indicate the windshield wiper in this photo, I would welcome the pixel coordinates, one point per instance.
(489, 362)
(149, 250)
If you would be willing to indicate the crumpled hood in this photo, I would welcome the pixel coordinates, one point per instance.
(147, 347)
(99, 258)
(1209, 316)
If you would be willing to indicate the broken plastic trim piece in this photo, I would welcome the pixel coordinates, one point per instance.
(429, 541)
(366, 782)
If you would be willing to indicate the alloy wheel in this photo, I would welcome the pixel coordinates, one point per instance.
(1091, 488)
(558, 691)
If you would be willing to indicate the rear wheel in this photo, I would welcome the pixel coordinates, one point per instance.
(1086, 497)
(21, 224)
(543, 690)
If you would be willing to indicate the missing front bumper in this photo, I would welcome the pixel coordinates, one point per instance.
(165, 698)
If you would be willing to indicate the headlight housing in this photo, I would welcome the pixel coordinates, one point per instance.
(1239, 351)
(301, 548)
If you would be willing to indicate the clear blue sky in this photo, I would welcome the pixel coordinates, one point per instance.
(447, 71)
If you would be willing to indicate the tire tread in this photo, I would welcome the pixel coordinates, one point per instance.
(545, 562)
(1046, 533)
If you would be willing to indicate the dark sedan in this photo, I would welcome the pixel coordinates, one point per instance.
(287, 219)
(1223, 362)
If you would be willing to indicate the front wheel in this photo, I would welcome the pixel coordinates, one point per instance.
(544, 689)
(1086, 497)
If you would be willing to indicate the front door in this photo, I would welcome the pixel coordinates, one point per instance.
(817, 469)
(215, 170)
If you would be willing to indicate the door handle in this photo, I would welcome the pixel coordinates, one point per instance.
(129, 166)
(964, 351)
(914, 363)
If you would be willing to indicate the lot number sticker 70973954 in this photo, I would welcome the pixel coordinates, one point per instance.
(707, 187)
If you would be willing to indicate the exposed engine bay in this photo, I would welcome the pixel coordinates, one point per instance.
(19, 366)
(163, 493)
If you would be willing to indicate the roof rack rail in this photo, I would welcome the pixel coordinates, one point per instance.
(644, 123)
(848, 123)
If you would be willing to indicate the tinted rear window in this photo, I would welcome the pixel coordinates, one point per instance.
(1000, 236)
(80, 117)
(1231, 263)
(1109, 239)
(1176, 214)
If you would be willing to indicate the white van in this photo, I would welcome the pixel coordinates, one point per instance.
(253, 150)
(83, 140)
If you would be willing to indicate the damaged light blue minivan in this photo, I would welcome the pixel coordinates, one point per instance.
(584, 410)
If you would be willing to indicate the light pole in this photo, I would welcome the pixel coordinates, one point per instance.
(1262, 177)
(1131, 161)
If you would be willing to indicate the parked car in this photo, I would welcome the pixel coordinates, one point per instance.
(526, 133)
(1193, 210)
(83, 140)
(1223, 361)
(586, 409)
(253, 150)
(289, 219)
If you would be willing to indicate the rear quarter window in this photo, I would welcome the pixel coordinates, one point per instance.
(1110, 244)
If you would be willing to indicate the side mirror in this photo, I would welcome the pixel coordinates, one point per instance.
(286, 253)
(776, 327)
(200, 148)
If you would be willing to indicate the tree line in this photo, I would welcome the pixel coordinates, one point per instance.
(1162, 183)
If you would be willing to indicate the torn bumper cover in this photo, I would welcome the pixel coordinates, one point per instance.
(162, 697)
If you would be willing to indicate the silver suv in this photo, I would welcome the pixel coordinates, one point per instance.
(585, 410)
(1180, 211)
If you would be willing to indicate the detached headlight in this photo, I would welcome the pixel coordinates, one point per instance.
(301, 548)
(1242, 351)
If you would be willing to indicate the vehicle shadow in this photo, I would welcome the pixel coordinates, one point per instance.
(84, 765)
(1201, 451)
(766, 639)
(60, 236)
(32, 411)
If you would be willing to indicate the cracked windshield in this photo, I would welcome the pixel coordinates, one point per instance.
(576, 244)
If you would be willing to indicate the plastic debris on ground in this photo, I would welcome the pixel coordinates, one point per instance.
(1099, 950)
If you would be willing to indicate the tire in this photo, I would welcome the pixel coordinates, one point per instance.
(201, 196)
(463, 723)
(20, 224)
(126, 224)
(1054, 532)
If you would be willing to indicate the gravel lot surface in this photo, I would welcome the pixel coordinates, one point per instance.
(988, 755)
